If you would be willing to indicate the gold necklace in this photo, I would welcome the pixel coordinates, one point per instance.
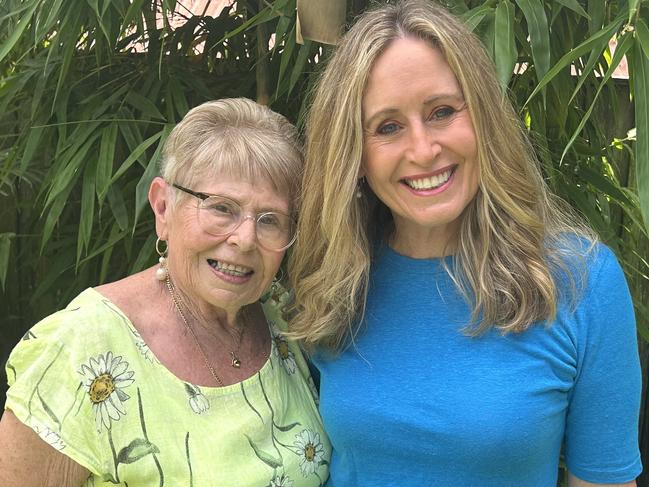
(236, 362)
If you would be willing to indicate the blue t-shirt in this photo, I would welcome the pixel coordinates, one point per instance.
(415, 401)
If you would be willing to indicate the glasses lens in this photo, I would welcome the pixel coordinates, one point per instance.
(275, 231)
(219, 215)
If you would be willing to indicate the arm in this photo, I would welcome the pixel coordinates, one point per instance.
(601, 442)
(26, 460)
(575, 482)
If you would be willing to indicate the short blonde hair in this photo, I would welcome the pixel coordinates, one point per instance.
(235, 136)
(514, 234)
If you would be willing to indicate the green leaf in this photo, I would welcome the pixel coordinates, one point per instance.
(604, 185)
(265, 457)
(118, 207)
(144, 257)
(573, 54)
(580, 197)
(283, 24)
(87, 211)
(116, 235)
(621, 50)
(69, 49)
(144, 105)
(640, 75)
(300, 62)
(5, 248)
(142, 188)
(505, 42)
(53, 15)
(574, 6)
(178, 97)
(475, 16)
(289, 46)
(18, 31)
(31, 146)
(71, 171)
(136, 450)
(588, 69)
(105, 161)
(134, 10)
(633, 9)
(272, 11)
(139, 150)
(597, 12)
(55, 212)
(539, 32)
(642, 32)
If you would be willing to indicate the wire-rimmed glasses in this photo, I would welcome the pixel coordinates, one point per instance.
(220, 216)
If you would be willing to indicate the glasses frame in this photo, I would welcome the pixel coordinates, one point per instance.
(203, 196)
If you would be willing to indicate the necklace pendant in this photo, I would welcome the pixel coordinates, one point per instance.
(236, 363)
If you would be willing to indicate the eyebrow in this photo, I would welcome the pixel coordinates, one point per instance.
(203, 196)
(388, 111)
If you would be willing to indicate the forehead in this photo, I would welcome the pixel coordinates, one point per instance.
(408, 68)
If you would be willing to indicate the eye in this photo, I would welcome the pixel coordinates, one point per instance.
(220, 207)
(388, 128)
(271, 220)
(442, 113)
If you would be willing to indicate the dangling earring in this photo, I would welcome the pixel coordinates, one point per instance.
(359, 187)
(161, 272)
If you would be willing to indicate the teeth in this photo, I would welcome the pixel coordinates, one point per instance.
(231, 269)
(431, 182)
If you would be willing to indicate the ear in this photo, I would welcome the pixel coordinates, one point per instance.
(361, 167)
(159, 199)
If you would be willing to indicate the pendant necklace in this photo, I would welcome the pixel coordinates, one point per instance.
(235, 360)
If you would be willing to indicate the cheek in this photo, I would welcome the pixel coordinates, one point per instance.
(271, 265)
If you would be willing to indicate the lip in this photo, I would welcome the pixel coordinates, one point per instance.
(450, 167)
(434, 191)
(228, 277)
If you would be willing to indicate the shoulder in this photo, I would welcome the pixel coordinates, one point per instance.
(579, 264)
(275, 304)
(89, 321)
(89, 313)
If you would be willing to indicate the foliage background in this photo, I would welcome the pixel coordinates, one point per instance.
(90, 89)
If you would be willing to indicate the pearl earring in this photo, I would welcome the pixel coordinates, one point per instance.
(359, 188)
(161, 272)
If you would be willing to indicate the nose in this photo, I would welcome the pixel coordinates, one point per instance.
(245, 235)
(424, 146)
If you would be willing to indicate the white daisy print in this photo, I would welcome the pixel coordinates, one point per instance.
(310, 450)
(143, 347)
(197, 401)
(105, 377)
(49, 436)
(281, 481)
(280, 346)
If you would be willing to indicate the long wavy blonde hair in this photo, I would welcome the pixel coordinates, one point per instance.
(514, 236)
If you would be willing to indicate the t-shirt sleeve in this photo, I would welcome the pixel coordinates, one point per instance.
(46, 390)
(601, 443)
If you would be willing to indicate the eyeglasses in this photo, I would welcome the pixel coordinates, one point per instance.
(220, 216)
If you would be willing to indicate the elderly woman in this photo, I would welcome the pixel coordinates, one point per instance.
(178, 375)
(465, 327)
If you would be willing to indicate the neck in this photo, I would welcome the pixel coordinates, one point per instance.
(423, 243)
(206, 319)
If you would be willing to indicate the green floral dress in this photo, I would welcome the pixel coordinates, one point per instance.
(86, 382)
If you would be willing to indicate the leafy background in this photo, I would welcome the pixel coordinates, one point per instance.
(90, 89)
